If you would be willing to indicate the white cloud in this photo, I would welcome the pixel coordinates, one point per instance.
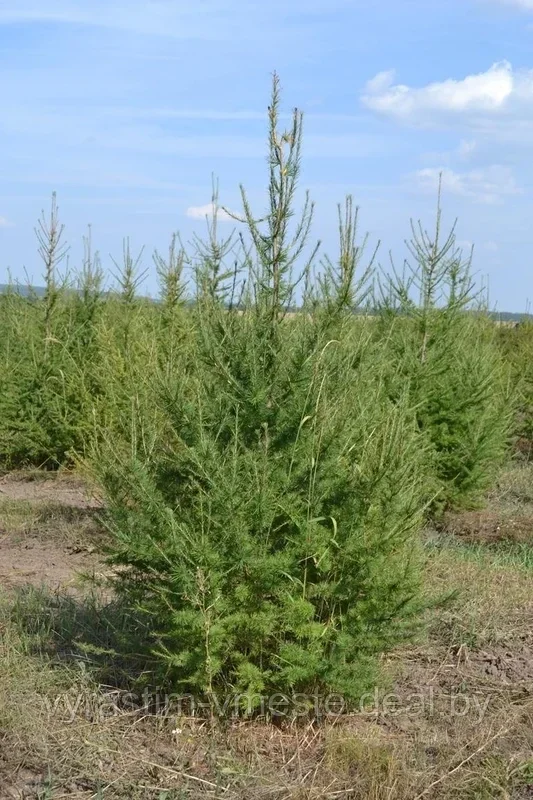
(201, 212)
(5, 223)
(381, 82)
(498, 91)
(488, 185)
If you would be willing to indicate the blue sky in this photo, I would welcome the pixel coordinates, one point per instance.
(126, 109)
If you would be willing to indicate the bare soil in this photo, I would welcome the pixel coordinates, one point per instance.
(489, 526)
(454, 722)
(37, 487)
(31, 560)
(48, 531)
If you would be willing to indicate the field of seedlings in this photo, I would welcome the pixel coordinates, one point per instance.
(269, 534)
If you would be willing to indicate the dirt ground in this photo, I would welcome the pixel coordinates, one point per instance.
(48, 532)
(453, 720)
(62, 489)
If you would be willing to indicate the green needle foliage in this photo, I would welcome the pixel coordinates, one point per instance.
(516, 346)
(265, 508)
(444, 348)
(268, 455)
(36, 415)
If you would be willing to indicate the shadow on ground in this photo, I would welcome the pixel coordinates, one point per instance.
(107, 637)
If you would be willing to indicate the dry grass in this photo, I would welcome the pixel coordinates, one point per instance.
(507, 517)
(454, 720)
